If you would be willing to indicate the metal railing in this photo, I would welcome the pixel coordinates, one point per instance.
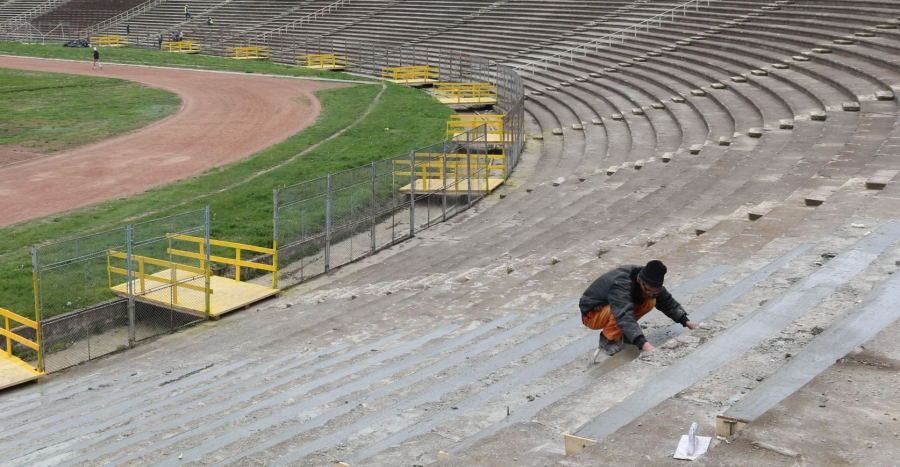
(294, 24)
(115, 20)
(617, 36)
(32, 13)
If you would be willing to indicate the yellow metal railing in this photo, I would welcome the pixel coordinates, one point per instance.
(185, 47)
(323, 61)
(465, 93)
(434, 170)
(6, 331)
(142, 277)
(252, 52)
(411, 74)
(458, 125)
(109, 41)
(237, 262)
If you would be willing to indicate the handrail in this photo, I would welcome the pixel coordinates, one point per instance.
(607, 39)
(308, 18)
(32, 13)
(237, 262)
(125, 15)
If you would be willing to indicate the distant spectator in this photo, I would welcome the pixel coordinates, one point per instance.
(159, 38)
(187, 12)
(209, 21)
(180, 36)
(96, 60)
(175, 36)
(128, 29)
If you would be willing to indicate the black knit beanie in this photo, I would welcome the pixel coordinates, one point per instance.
(653, 273)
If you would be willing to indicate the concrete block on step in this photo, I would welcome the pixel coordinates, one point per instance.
(739, 79)
(537, 137)
(637, 111)
(565, 84)
(695, 149)
(718, 85)
(610, 70)
(658, 105)
(843, 41)
(743, 19)
(667, 156)
(580, 79)
(669, 49)
(678, 99)
(537, 93)
(755, 132)
(886, 26)
(638, 164)
(618, 117)
(698, 37)
(611, 170)
(821, 50)
(654, 54)
(770, 8)
(760, 210)
(850, 106)
(724, 141)
(800, 58)
(819, 195)
(625, 165)
(550, 88)
(780, 66)
(884, 95)
(864, 34)
(683, 43)
(698, 92)
(639, 59)
(880, 179)
(595, 75)
(786, 124)
(577, 126)
(597, 121)
(624, 64)
(759, 72)
(556, 131)
(704, 226)
(818, 115)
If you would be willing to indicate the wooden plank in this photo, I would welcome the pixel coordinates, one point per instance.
(575, 444)
(229, 295)
(13, 371)
(453, 187)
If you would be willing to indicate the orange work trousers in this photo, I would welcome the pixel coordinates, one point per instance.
(602, 318)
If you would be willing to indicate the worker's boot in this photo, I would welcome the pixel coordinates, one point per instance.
(611, 347)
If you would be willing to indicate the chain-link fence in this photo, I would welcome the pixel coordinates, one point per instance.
(170, 281)
(328, 222)
(81, 317)
(85, 288)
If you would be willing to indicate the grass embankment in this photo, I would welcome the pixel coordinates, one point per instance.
(157, 58)
(403, 119)
(46, 112)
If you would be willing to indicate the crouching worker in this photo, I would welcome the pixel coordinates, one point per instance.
(618, 299)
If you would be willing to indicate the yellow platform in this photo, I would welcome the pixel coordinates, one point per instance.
(13, 371)
(454, 186)
(467, 100)
(227, 294)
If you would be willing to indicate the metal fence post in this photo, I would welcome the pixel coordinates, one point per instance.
(468, 168)
(412, 193)
(207, 270)
(444, 184)
(328, 223)
(374, 204)
(129, 241)
(275, 237)
(35, 277)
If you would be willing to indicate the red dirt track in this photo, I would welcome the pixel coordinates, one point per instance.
(224, 117)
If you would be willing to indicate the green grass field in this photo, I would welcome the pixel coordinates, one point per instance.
(157, 58)
(239, 194)
(46, 112)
